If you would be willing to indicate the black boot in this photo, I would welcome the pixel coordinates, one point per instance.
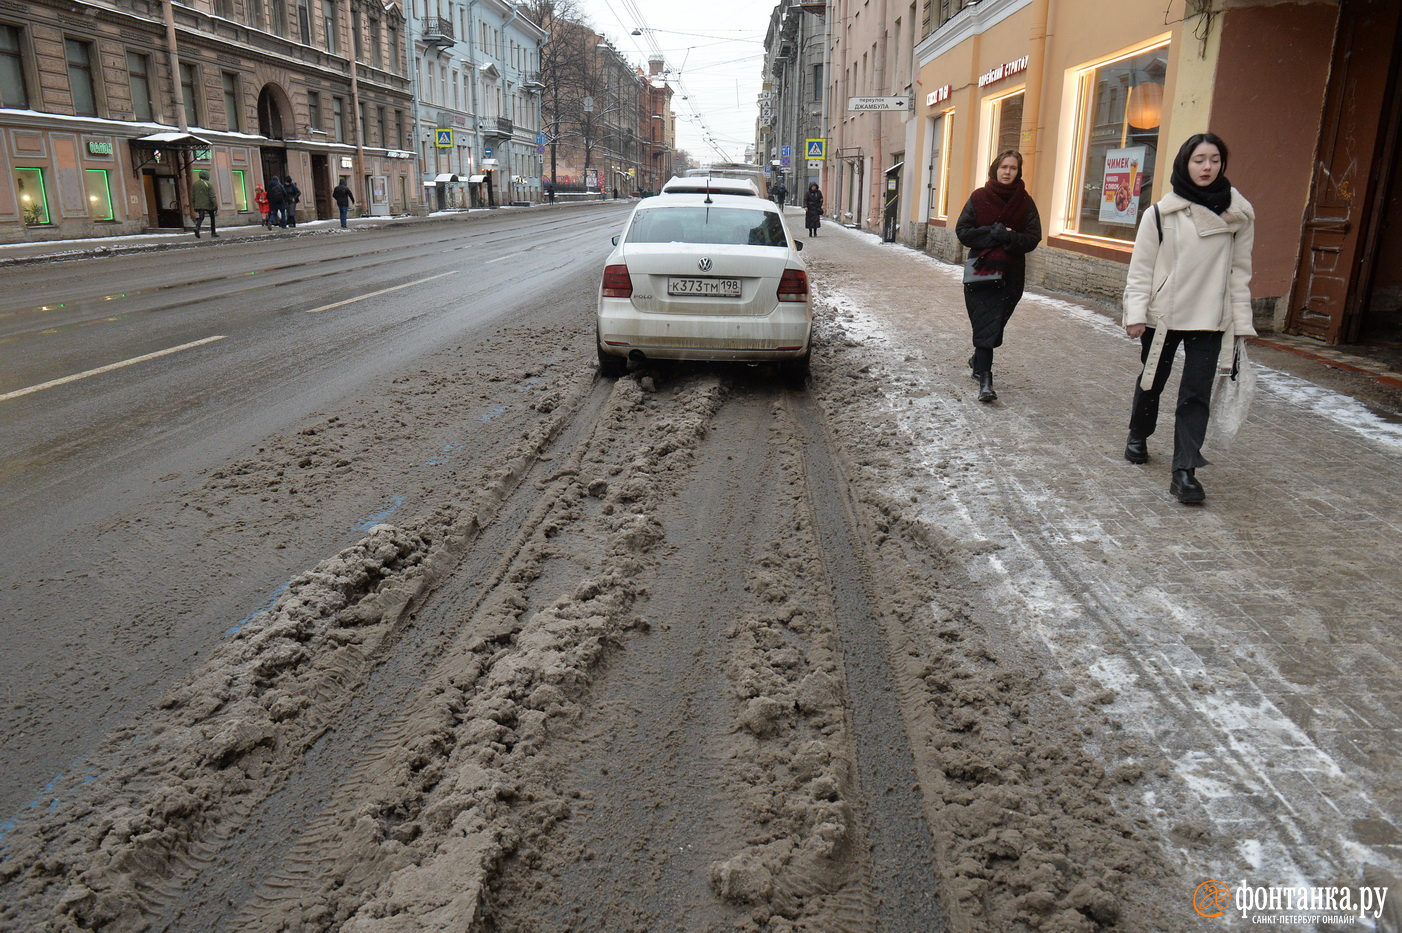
(973, 372)
(1186, 488)
(1137, 449)
(985, 387)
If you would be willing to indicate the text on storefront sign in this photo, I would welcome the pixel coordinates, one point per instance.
(1005, 70)
(939, 95)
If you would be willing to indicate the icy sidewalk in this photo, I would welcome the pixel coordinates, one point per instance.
(1253, 642)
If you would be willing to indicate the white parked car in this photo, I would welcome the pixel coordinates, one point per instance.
(706, 184)
(705, 277)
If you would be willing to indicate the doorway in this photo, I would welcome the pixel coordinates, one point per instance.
(163, 208)
(321, 187)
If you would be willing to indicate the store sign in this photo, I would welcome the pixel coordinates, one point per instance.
(346, 162)
(864, 104)
(96, 148)
(939, 95)
(1005, 70)
(1124, 178)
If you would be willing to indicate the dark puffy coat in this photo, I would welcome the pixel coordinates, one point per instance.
(276, 194)
(990, 306)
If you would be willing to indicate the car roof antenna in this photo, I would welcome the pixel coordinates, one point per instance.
(708, 189)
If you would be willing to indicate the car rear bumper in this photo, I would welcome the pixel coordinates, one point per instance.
(782, 334)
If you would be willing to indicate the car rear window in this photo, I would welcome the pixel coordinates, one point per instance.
(708, 225)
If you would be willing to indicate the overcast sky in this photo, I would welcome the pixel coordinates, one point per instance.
(716, 67)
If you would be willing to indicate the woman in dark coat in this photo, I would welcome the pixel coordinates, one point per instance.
(813, 205)
(1000, 226)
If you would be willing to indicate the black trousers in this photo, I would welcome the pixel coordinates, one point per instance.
(990, 308)
(1200, 350)
(199, 220)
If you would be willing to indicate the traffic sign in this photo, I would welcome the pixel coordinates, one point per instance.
(786, 150)
(786, 161)
(860, 104)
(443, 139)
(817, 148)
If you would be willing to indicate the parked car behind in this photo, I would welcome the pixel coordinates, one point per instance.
(705, 277)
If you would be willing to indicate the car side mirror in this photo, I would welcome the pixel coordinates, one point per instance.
(798, 245)
(615, 238)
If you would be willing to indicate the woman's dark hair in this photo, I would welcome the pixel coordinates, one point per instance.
(1185, 152)
(993, 169)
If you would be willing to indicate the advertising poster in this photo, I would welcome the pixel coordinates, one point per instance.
(1123, 180)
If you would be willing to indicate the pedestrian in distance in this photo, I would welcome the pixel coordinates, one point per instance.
(202, 200)
(813, 208)
(781, 194)
(260, 197)
(292, 195)
(277, 197)
(1000, 226)
(550, 193)
(1189, 283)
(343, 198)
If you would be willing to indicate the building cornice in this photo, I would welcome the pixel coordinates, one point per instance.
(967, 23)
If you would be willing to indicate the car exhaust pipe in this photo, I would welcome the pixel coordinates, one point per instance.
(637, 356)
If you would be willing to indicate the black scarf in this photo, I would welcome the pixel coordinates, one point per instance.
(1216, 197)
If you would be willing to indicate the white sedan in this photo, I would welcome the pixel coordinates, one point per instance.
(705, 277)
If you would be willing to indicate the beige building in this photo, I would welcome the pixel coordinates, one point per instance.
(1099, 94)
(104, 121)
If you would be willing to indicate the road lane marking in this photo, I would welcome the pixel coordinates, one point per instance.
(107, 369)
(382, 291)
(512, 256)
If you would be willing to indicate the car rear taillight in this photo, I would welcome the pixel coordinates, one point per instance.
(794, 285)
(617, 282)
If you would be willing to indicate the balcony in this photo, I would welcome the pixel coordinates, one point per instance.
(438, 32)
(499, 128)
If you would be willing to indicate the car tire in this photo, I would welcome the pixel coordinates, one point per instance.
(610, 366)
(795, 372)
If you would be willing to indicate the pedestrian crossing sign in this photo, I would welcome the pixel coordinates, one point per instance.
(817, 148)
(443, 139)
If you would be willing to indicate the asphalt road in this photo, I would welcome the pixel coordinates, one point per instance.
(257, 335)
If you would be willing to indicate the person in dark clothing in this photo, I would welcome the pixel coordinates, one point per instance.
(813, 208)
(202, 200)
(1000, 225)
(277, 198)
(293, 195)
(550, 193)
(343, 198)
(781, 194)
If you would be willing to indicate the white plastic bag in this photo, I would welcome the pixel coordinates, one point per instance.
(1231, 399)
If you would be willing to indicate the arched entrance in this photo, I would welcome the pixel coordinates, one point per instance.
(274, 119)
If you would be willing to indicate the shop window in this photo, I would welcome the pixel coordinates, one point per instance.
(937, 178)
(13, 92)
(1007, 123)
(33, 200)
(99, 191)
(1119, 111)
(80, 77)
(240, 189)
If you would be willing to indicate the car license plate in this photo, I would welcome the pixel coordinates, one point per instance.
(706, 286)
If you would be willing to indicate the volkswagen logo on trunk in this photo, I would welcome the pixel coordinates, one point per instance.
(705, 265)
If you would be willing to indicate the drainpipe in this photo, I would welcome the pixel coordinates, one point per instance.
(182, 182)
(414, 91)
(477, 145)
(878, 171)
(359, 167)
(1031, 142)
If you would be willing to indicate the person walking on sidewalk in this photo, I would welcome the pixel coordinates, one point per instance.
(1189, 283)
(291, 194)
(813, 208)
(202, 200)
(781, 194)
(276, 198)
(1001, 225)
(343, 198)
(260, 197)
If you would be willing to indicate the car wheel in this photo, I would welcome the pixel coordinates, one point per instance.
(795, 371)
(610, 366)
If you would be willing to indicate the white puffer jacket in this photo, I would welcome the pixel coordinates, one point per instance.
(1198, 278)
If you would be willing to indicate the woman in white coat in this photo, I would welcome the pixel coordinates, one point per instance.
(1189, 283)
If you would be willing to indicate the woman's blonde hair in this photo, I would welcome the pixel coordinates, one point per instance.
(993, 169)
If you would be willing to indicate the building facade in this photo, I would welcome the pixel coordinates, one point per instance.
(1098, 96)
(110, 107)
(657, 128)
(478, 121)
(792, 95)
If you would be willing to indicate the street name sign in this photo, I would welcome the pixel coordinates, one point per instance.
(861, 104)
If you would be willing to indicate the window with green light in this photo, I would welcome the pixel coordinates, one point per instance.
(99, 193)
(240, 190)
(34, 203)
